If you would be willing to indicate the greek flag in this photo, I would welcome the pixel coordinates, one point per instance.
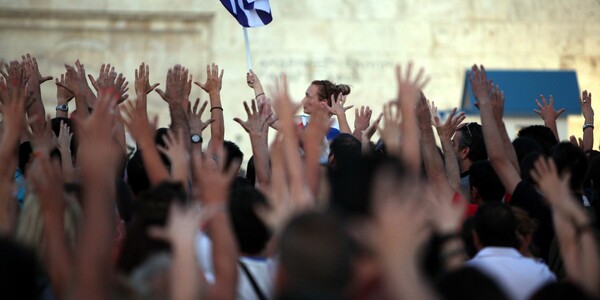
(249, 13)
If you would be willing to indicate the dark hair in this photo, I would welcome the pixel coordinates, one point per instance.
(483, 177)
(569, 157)
(137, 178)
(345, 149)
(151, 208)
(496, 225)
(561, 290)
(251, 233)
(25, 151)
(315, 254)
(233, 153)
(327, 89)
(472, 137)
(469, 283)
(540, 133)
(527, 164)
(524, 146)
(20, 267)
(251, 171)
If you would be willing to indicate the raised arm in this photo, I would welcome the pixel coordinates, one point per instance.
(13, 113)
(548, 114)
(178, 155)
(588, 116)
(482, 88)
(98, 158)
(254, 83)
(408, 95)
(212, 86)
(434, 166)
(47, 181)
(257, 127)
(176, 94)
(574, 227)
(197, 126)
(498, 108)
(445, 132)
(213, 182)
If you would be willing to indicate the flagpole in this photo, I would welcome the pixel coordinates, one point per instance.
(247, 42)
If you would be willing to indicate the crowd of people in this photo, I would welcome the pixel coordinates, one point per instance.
(323, 212)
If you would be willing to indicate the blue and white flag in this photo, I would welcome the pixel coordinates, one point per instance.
(249, 13)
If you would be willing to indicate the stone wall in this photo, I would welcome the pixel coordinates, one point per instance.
(355, 42)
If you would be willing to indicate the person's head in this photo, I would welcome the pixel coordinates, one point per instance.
(315, 255)
(469, 283)
(321, 91)
(344, 149)
(469, 145)
(569, 158)
(495, 225)
(524, 146)
(526, 226)
(527, 163)
(541, 134)
(19, 265)
(233, 153)
(251, 232)
(151, 208)
(485, 183)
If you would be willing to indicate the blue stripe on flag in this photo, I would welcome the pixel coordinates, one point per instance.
(249, 13)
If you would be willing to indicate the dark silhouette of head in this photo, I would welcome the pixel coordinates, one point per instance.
(495, 226)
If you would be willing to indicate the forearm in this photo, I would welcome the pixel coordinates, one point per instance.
(410, 151)
(588, 135)
(37, 112)
(551, 123)
(184, 272)
(57, 255)
(344, 126)
(434, 166)
(67, 166)
(217, 127)
(180, 172)
(260, 152)
(509, 149)
(225, 257)
(450, 163)
(179, 122)
(156, 170)
(313, 148)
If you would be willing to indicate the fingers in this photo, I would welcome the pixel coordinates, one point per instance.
(560, 112)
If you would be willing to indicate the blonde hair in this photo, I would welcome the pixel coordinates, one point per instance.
(30, 227)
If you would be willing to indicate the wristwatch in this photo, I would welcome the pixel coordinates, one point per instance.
(62, 107)
(196, 139)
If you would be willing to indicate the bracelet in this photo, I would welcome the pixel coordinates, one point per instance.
(586, 126)
(586, 227)
(259, 95)
(216, 107)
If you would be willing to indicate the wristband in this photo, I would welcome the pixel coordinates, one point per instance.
(586, 126)
(259, 95)
(216, 107)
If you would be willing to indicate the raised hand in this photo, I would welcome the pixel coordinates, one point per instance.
(252, 80)
(480, 85)
(135, 118)
(362, 120)
(497, 103)
(546, 111)
(214, 80)
(44, 140)
(47, 181)
(177, 78)
(63, 95)
(452, 124)
(213, 177)
(195, 117)
(546, 176)
(391, 131)
(585, 100)
(63, 141)
(408, 88)
(142, 80)
(109, 82)
(31, 66)
(337, 105)
(182, 224)
(12, 94)
(258, 122)
(178, 154)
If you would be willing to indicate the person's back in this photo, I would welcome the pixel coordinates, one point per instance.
(495, 237)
